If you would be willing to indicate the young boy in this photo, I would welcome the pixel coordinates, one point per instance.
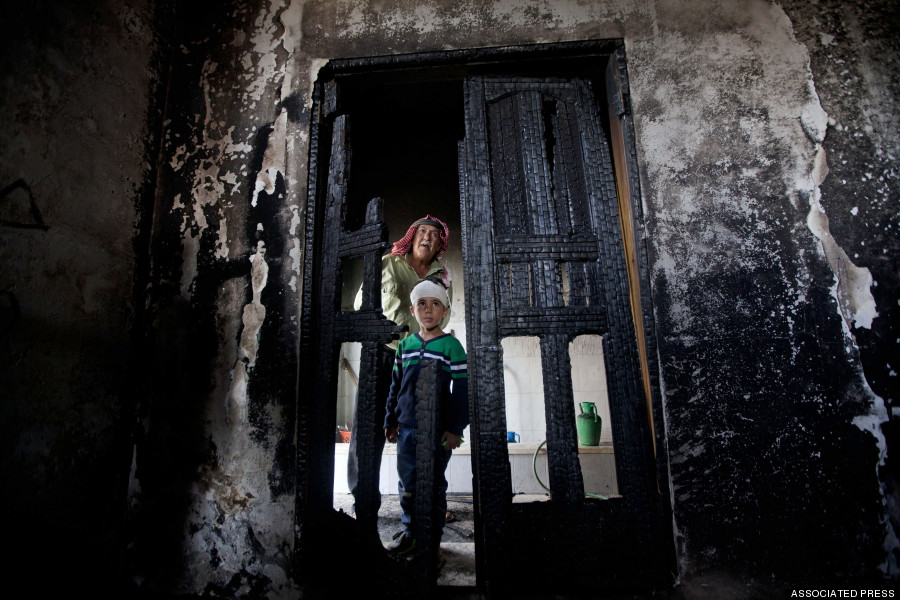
(429, 304)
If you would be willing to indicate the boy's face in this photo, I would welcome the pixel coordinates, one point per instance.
(428, 313)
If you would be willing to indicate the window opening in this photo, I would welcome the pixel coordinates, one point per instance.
(598, 461)
(347, 388)
(351, 280)
(526, 421)
(526, 426)
(348, 382)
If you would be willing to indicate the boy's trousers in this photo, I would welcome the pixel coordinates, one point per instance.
(406, 470)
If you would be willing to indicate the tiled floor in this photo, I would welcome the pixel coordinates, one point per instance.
(457, 544)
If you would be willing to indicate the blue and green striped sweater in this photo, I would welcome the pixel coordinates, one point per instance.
(401, 404)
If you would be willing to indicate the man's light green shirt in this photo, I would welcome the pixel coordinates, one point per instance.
(397, 281)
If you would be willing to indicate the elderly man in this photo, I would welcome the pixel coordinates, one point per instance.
(412, 258)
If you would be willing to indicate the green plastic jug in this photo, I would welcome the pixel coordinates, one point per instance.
(589, 424)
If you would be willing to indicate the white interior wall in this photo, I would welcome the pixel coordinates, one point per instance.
(589, 379)
(524, 383)
(346, 392)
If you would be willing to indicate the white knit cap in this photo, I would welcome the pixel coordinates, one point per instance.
(429, 289)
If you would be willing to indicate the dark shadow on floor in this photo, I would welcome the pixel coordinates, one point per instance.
(457, 543)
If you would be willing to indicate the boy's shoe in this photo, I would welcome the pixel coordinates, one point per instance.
(440, 561)
(403, 543)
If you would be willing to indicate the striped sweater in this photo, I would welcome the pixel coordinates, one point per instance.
(401, 404)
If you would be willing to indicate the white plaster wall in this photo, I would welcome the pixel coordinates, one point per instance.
(346, 391)
(523, 382)
(589, 379)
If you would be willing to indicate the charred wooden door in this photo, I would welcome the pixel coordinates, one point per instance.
(321, 533)
(539, 208)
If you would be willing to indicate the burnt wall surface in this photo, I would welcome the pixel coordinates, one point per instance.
(215, 462)
(774, 430)
(153, 174)
(78, 141)
(855, 57)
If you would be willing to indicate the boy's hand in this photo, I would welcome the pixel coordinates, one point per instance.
(392, 433)
(450, 441)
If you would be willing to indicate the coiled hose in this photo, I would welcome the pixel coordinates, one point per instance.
(541, 483)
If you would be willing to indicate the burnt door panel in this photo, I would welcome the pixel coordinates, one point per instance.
(539, 202)
(319, 342)
(321, 532)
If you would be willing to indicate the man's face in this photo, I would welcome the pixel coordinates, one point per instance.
(426, 243)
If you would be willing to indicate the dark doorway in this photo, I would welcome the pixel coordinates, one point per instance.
(527, 153)
(404, 140)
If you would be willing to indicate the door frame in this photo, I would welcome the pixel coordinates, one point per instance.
(621, 138)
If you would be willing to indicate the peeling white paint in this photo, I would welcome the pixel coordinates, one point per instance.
(681, 123)
(215, 163)
(222, 239)
(177, 160)
(294, 228)
(826, 39)
(273, 159)
(255, 312)
(855, 300)
(424, 18)
(853, 284)
(236, 400)
(852, 290)
(316, 65)
(292, 18)
(210, 181)
(254, 315)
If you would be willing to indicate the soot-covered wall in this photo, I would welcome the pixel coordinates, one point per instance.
(79, 122)
(150, 315)
(774, 430)
(214, 480)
